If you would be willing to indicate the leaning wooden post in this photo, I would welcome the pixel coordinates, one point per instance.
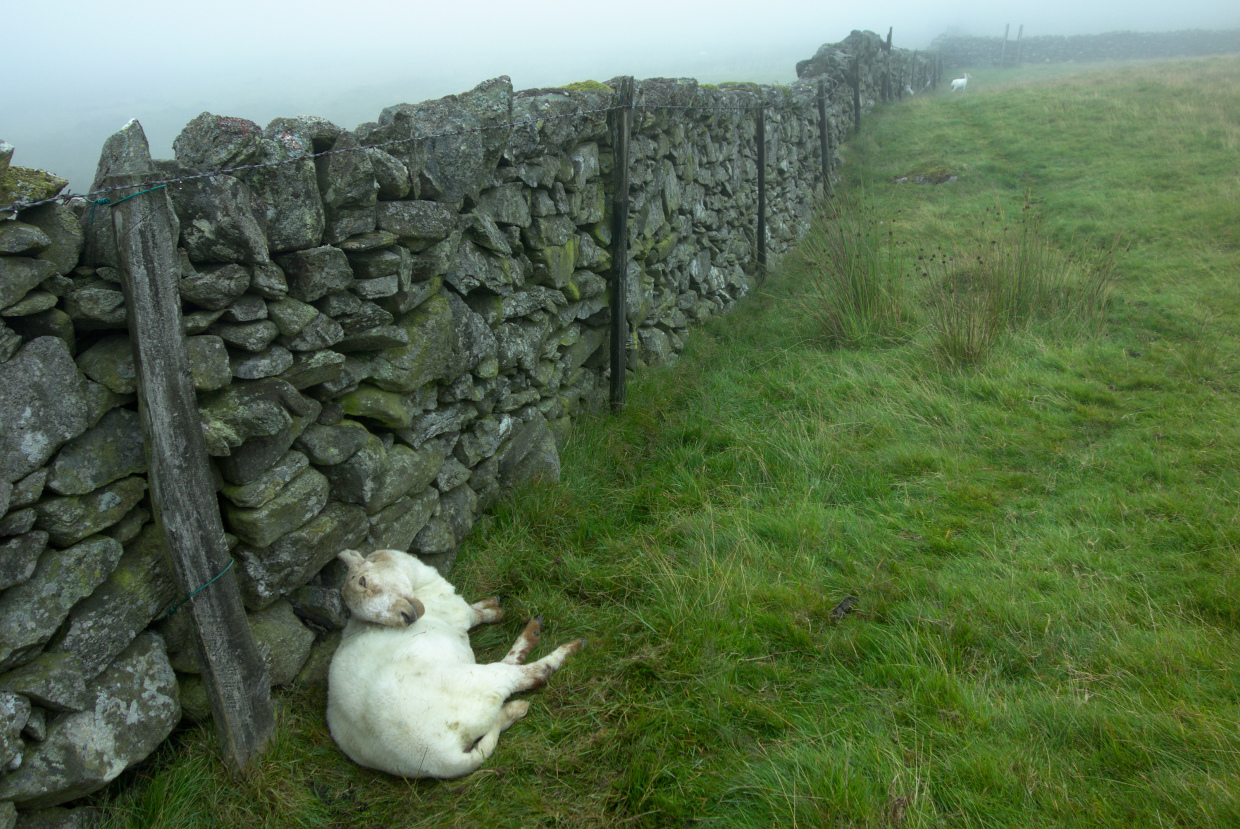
(856, 85)
(183, 495)
(760, 137)
(620, 243)
(824, 138)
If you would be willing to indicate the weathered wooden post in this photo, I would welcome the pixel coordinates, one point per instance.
(856, 86)
(824, 138)
(183, 495)
(621, 117)
(1003, 48)
(760, 137)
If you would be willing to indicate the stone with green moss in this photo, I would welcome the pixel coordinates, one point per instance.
(296, 503)
(554, 265)
(425, 359)
(267, 573)
(19, 275)
(282, 641)
(32, 611)
(52, 680)
(587, 86)
(330, 445)
(104, 623)
(268, 485)
(396, 410)
(405, 471)
(69, 519)
(133, 706)
(507, 204)
(22, 185)
(111, 450)
(19, 238)
(396, 526)
(246, 410)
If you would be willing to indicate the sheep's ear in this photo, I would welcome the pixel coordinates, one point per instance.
(351, 557)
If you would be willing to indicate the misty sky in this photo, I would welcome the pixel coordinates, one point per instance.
(78, 70)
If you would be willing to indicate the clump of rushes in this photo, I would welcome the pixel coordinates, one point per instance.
(964, 310)
(854, 275)
(1014, 277)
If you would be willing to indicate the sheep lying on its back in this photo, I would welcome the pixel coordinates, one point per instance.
(404, 694)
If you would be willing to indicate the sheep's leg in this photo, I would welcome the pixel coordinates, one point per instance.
(536, 674)
(487, 611)
(475, 753)
(509, 714)
(526, 642)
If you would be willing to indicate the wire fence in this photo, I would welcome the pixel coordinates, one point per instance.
(101, 197)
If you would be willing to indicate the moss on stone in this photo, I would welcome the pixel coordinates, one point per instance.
(586, 86)
(26, 184)
(392, 409)
(741, 86)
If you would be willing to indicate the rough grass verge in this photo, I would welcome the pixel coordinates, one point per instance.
(854, 274)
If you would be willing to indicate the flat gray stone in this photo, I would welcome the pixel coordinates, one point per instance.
(110, 450)
(134, 707)
(32, 611)
(42, 405)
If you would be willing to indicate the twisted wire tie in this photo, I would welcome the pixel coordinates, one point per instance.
(181, 602)
(106, 201)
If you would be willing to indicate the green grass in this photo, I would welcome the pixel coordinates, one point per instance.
(854, 277)
(1043, 546)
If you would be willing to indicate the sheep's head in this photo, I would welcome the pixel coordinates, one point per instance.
(376, 589)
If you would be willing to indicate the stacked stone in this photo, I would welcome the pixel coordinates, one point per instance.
(83, 692)
(387, 329)
(968, 51)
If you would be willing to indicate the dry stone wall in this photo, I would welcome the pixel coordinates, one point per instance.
(388, 328)
(964, 51)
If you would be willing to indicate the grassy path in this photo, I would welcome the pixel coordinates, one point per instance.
(1043, 548)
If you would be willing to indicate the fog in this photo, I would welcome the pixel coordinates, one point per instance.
(80, 69)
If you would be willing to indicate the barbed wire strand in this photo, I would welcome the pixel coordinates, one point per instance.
(14, 208)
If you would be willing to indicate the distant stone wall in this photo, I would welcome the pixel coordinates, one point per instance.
(966, 52)
(384, 339)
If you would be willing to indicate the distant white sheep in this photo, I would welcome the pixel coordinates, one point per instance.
(961, 83)
(404, 693)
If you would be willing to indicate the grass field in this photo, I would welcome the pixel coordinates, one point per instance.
(1042, 543)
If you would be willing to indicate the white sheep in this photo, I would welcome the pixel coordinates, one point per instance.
(404, 694)
(961, 83)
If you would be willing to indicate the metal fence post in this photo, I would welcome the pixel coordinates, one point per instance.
(621, 118)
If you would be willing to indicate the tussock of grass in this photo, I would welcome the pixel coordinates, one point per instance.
(1044, 545)
(854, 276)
(1013, 277)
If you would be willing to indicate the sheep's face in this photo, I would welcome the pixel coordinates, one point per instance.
(377, 590)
